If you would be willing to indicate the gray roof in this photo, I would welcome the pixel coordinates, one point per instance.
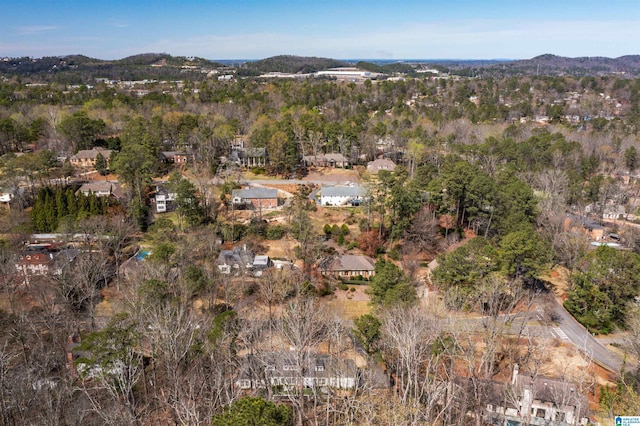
(275, 364)
(253, 152)
(102, 186)
(237, 256)
(381, 164)
(348, 262)
(253, 193)
(615, 209)
(92, 153)
(261, 260)
(342, 191)
(334, 157)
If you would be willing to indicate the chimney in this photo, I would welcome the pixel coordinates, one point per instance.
(70, 365)
(515, 374)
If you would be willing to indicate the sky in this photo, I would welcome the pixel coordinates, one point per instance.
(251, 29)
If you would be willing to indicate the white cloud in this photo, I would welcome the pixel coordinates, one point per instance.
(35, 29)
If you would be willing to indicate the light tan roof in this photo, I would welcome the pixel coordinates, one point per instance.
(92, 153)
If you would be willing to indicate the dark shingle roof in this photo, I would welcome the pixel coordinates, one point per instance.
(349, 262)
(253, 193)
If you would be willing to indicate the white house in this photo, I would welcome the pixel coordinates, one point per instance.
(614, 212)
(285, 371)
(341, 195)
(164, 200)
(5, 199)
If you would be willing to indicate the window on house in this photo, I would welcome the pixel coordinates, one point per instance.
(541, 413)
(560, 416)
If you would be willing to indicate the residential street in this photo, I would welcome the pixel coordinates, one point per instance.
(585, 342)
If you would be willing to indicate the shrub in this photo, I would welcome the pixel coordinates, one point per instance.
(276, 232)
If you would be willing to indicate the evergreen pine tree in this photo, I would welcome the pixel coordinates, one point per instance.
(61, 204)
(94, 204)
(72, 202)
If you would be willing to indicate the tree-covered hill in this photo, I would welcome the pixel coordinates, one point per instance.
(293, 64)
(396, 67)
(82, 69)
(553, 65)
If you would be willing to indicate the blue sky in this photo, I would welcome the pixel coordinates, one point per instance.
(467, 29)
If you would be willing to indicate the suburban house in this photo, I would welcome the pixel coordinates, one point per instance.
(341, 195)
(290, 371)
(347, 266)
(255, 198)
(326, 160)
(173, 157)
(44, 260)
(260, 264)
(380, 164)
(5, 200)
(86, 158)
(102, 189)
(237, 260)
(536, 401)
(164, 200)
(614, 212)
(584, 225)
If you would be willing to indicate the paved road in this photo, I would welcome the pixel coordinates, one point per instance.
(567, 329)
(584, 341)
(218, 181)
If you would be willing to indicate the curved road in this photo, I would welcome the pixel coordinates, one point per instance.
(566, 329)
(585, 342)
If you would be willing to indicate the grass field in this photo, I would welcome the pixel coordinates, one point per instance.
(350, 309)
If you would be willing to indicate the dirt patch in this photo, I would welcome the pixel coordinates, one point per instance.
(329, 174)
(280, 249)
(559, 281)
(288, 188)
(358, 295)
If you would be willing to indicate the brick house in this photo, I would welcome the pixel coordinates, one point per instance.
(174, 157)
(255, 198)
(86, 158)
(347, 266)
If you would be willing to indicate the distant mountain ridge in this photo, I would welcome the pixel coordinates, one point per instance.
(81, 68)
(549, 64)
